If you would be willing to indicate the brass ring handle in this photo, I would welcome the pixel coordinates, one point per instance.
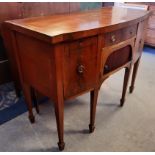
(113, 38)
(80, 69)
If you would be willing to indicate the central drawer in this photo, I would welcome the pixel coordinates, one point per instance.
(80, 66)
(117, 36)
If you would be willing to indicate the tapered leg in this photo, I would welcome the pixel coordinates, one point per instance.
(93, 103)
(125, 84)
(28, 99)
(35, 100)
(134, 74)
(17, 90)
(59, 113)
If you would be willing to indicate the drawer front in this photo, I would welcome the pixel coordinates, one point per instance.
(120, 35)
(80, 66)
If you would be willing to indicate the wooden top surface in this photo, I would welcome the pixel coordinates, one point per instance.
(57, 28)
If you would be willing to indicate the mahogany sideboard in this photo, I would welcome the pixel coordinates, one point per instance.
(64, 56)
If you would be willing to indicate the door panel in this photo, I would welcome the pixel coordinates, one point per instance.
(80, 66)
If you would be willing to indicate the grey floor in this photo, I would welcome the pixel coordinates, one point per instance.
(131, 128)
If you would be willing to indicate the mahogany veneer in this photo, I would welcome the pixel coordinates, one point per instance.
(63, 56)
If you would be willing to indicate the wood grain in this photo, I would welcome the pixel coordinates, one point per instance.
(58, 28)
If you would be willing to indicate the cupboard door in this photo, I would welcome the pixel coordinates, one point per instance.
(80, 66)
(141, 32)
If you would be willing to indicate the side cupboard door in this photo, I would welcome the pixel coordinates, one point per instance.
(80, 66)
(141, 32)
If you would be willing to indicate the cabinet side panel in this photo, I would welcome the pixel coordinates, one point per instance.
(36, 63)
(140, 39)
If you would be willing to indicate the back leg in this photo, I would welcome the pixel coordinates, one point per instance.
(35, 100)
(125, 84)
(134, 74)
(28, 98)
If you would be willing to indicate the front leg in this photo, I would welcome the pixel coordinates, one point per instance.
(93, 103)
(59, 113)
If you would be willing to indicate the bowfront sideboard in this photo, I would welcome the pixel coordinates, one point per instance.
(64, 56)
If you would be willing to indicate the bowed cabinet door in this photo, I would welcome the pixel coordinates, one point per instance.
(141, 33)
(80, 66)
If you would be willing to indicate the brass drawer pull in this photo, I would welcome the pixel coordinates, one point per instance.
(80, 69)
(113, 38)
